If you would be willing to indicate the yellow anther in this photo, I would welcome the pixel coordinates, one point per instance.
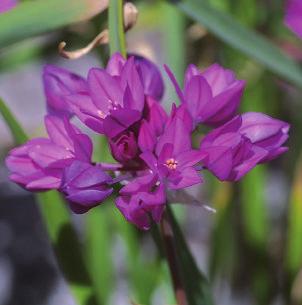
(171, 163)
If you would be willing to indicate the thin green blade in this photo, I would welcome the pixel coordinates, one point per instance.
(30, 19)
(116, 27)
(243, 39)
(196, 285)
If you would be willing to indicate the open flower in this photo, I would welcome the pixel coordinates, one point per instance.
(39, 163)
(233, 149)
(212, 97)
(112, 103)
(170, 162)
(173, 158)
(293, 17)
(85, 185)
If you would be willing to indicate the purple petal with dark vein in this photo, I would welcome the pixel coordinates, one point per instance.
(119, 120)
(130, 79)
(150, 160)
(89, 197)
(189, 176)
(242, 169)
(219, 161)
(44, 183)
(191, 71)
(172, 135)
(104, 89)
(197, 95)
(44, 155)
(57, 132)
(146, 138)
(258, 126)
(115, 64)
(189, 158)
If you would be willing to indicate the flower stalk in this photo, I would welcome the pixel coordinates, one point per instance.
(171, 256)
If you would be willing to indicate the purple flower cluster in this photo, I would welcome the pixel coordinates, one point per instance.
(153, 148)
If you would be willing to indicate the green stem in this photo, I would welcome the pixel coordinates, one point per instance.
(171, 255)
(117, 41)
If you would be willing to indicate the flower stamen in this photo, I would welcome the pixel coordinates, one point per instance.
(171, 163)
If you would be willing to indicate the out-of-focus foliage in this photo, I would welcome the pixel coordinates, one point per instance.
(60, 230)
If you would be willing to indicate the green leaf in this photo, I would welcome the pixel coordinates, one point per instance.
(243, 39)
(30, 19)
(117, 41)
(16, 130)
(143, 274)
(196, 285)
(98, 250)
(66, 245)
(294, 235)
(253, 207)
(60, 230)
(173, 28)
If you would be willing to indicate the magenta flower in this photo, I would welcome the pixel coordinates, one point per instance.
(85, 185)
(58, 84)
(113, 103)
(170, 163)
(7, 5)
(39, 163)
(173, 159)
(235, 148)
(148, 72)
(142, 201)
(293, 17)
(212, 97)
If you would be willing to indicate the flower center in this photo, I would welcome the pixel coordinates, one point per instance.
(111, 106)
(171, 163)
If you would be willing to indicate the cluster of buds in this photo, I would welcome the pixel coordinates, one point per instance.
(153, 148)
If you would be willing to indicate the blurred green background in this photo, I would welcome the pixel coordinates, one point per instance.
(251, 249)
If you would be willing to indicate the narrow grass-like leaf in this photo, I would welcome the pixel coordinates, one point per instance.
(196, 285)
(60, 230)
(243, 39)
(253, 207)
(67, 247)
(16, 130)
(294, 235)
(116, 27)
(253, 186)
(98, 248)
(29, 19)
(98, 233)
